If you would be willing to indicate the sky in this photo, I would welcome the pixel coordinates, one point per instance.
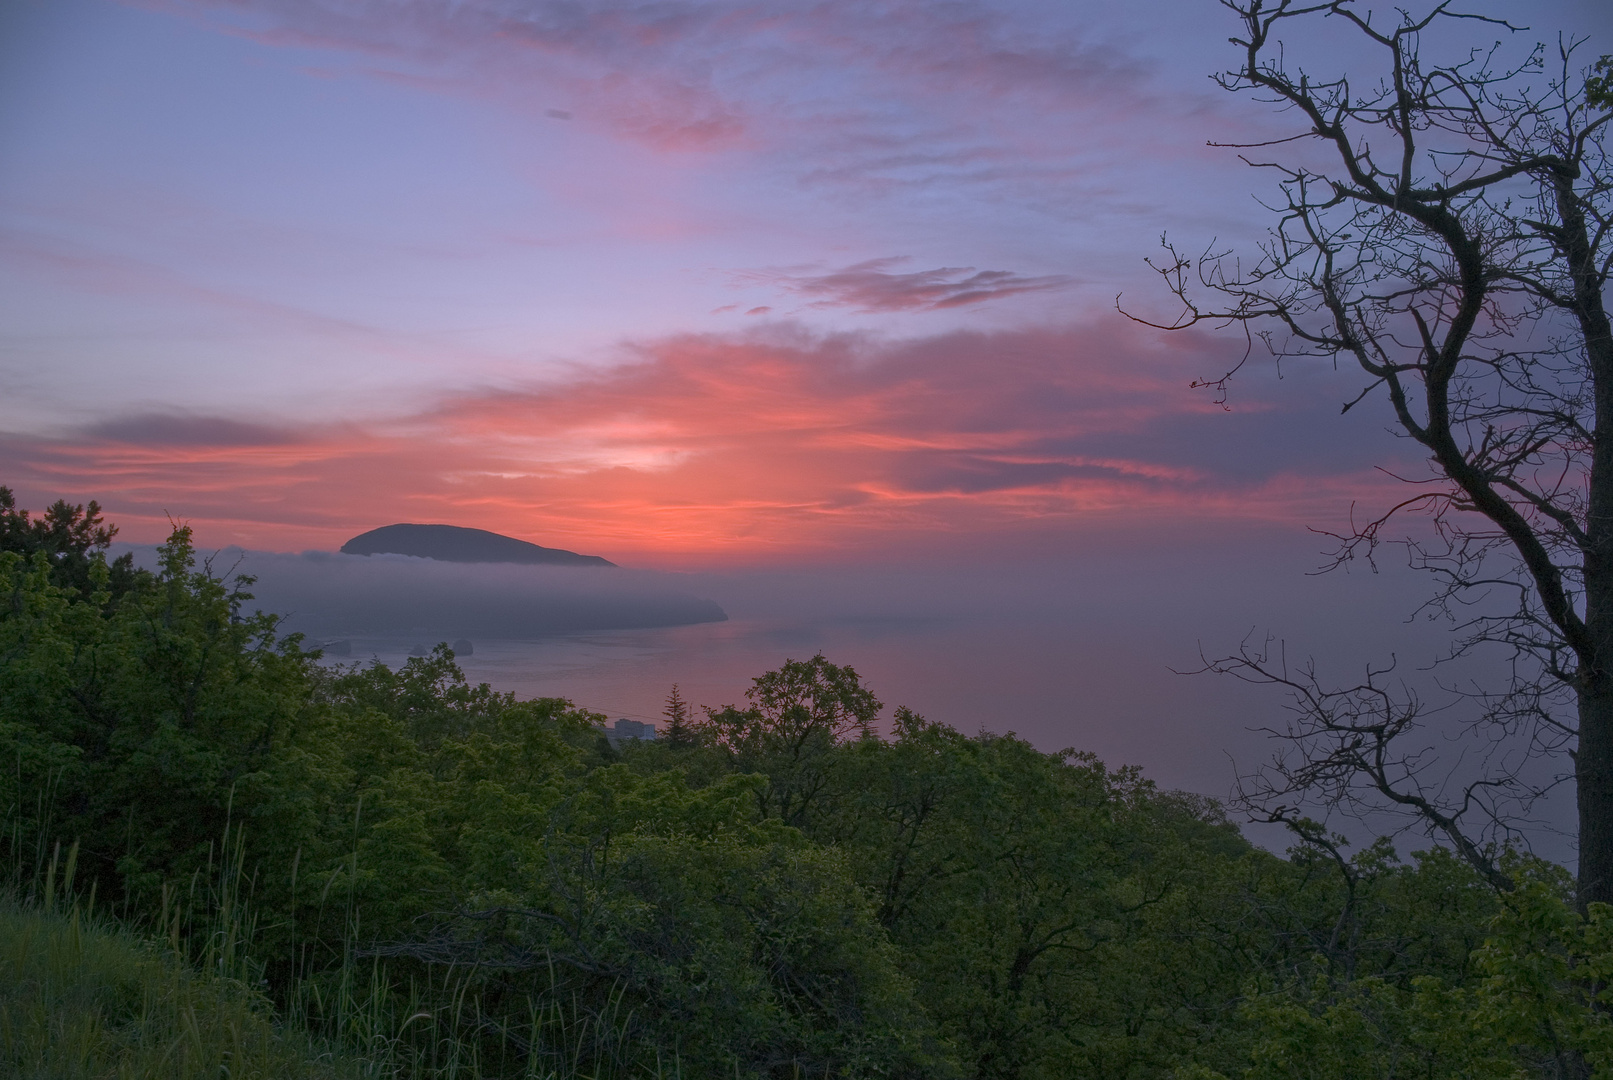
(700, 287)
(677, 283)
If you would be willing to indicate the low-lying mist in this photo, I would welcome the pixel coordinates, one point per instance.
(330, 595)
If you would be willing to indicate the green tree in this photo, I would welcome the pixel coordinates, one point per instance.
(70, 536)
(680, 720)
(795, 718)
(1532, 1001)
(136, 723)
(1054, 916)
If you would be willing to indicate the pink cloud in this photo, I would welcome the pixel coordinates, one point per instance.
(755, 447)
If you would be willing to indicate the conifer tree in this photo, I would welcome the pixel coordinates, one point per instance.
(679, 729)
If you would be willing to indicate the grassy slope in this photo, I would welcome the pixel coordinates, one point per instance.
(82, 1000)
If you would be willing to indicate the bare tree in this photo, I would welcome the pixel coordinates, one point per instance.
(1443, 224)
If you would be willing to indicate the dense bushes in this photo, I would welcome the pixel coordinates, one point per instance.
(459, 881)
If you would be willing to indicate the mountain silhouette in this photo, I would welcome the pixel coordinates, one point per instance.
(453, 543)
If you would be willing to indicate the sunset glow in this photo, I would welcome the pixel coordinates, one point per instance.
(778, 444)
(678, 284)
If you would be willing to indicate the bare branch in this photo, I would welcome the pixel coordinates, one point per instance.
(1456, 251)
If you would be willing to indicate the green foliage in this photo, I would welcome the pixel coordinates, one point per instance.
(1599, 84)
(207, 767)
(457, 883)
(1533, 1004)
(1545, 973)
(1024, 892)
(130, 727)
(796, 717)
(70, 536)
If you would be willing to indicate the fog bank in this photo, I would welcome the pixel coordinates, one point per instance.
(328, 594)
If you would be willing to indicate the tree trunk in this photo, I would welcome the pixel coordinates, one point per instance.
(1594, 776)
(1593, 761)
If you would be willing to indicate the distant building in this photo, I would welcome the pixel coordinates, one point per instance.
(624, 730)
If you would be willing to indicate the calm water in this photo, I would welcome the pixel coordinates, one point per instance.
(1059, 682)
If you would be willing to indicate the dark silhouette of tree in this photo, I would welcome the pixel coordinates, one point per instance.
(1444, 227)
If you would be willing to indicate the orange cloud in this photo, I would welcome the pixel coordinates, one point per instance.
(770, 446)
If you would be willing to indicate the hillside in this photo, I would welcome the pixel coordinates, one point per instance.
(80, 997)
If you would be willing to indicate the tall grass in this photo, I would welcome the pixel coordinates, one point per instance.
(82, 998)
(86, 994)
